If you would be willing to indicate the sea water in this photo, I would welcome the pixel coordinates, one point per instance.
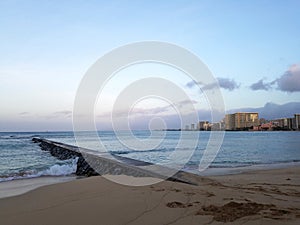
(21, 158)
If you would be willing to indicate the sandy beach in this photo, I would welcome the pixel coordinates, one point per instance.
(255, 197)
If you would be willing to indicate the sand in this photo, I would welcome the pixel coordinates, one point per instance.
(256, 197)
(17, 187)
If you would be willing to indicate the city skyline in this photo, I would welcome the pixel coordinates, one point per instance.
(245, 121)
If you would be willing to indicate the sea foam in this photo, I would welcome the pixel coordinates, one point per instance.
(68, 168)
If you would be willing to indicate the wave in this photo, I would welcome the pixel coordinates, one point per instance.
(123, 152)
(192, 165)
(56, 170)
(17, 136)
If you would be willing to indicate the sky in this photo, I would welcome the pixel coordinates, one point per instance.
(251, 47)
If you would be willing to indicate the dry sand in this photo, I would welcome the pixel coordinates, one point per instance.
(256, 197)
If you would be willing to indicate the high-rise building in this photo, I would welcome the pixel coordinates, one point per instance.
(229, 122)
(241, 120)
(288, 123)
(192, 126)
(217, 126)
(278, 123)
(297, 122)
(203, 125)
(245, 120)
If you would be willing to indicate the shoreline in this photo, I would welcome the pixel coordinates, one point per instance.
(223, 171)
(20, 186)
(254, 197)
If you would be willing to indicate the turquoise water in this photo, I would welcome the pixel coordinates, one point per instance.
(21, 158)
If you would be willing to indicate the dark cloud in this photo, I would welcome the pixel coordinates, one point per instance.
(228, 84)
(225, 83)
(290, 80)
(261, 85)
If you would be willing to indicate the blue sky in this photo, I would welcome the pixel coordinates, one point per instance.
(47, 46)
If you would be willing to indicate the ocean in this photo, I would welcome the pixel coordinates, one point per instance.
(20, 158)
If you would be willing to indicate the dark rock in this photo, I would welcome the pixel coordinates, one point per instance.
(62, 153)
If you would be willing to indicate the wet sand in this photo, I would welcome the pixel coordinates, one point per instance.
(21, 186)
(255, 197)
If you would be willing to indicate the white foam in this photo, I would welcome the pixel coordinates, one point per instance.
(61, 170)
(56, 170)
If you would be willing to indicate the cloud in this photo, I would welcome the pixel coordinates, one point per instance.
(172, 120)
(64, 112)
(60, 114)
(288, 82)
(151, 111)
(228, 84)
(191, 84)
(225, 83)
(260, 85)
(24, 113)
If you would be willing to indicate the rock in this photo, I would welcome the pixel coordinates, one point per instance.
(62, 153)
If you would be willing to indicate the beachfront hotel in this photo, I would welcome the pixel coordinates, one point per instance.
(296, 122)
(203, 125)
(283, 124)
(241, 121)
